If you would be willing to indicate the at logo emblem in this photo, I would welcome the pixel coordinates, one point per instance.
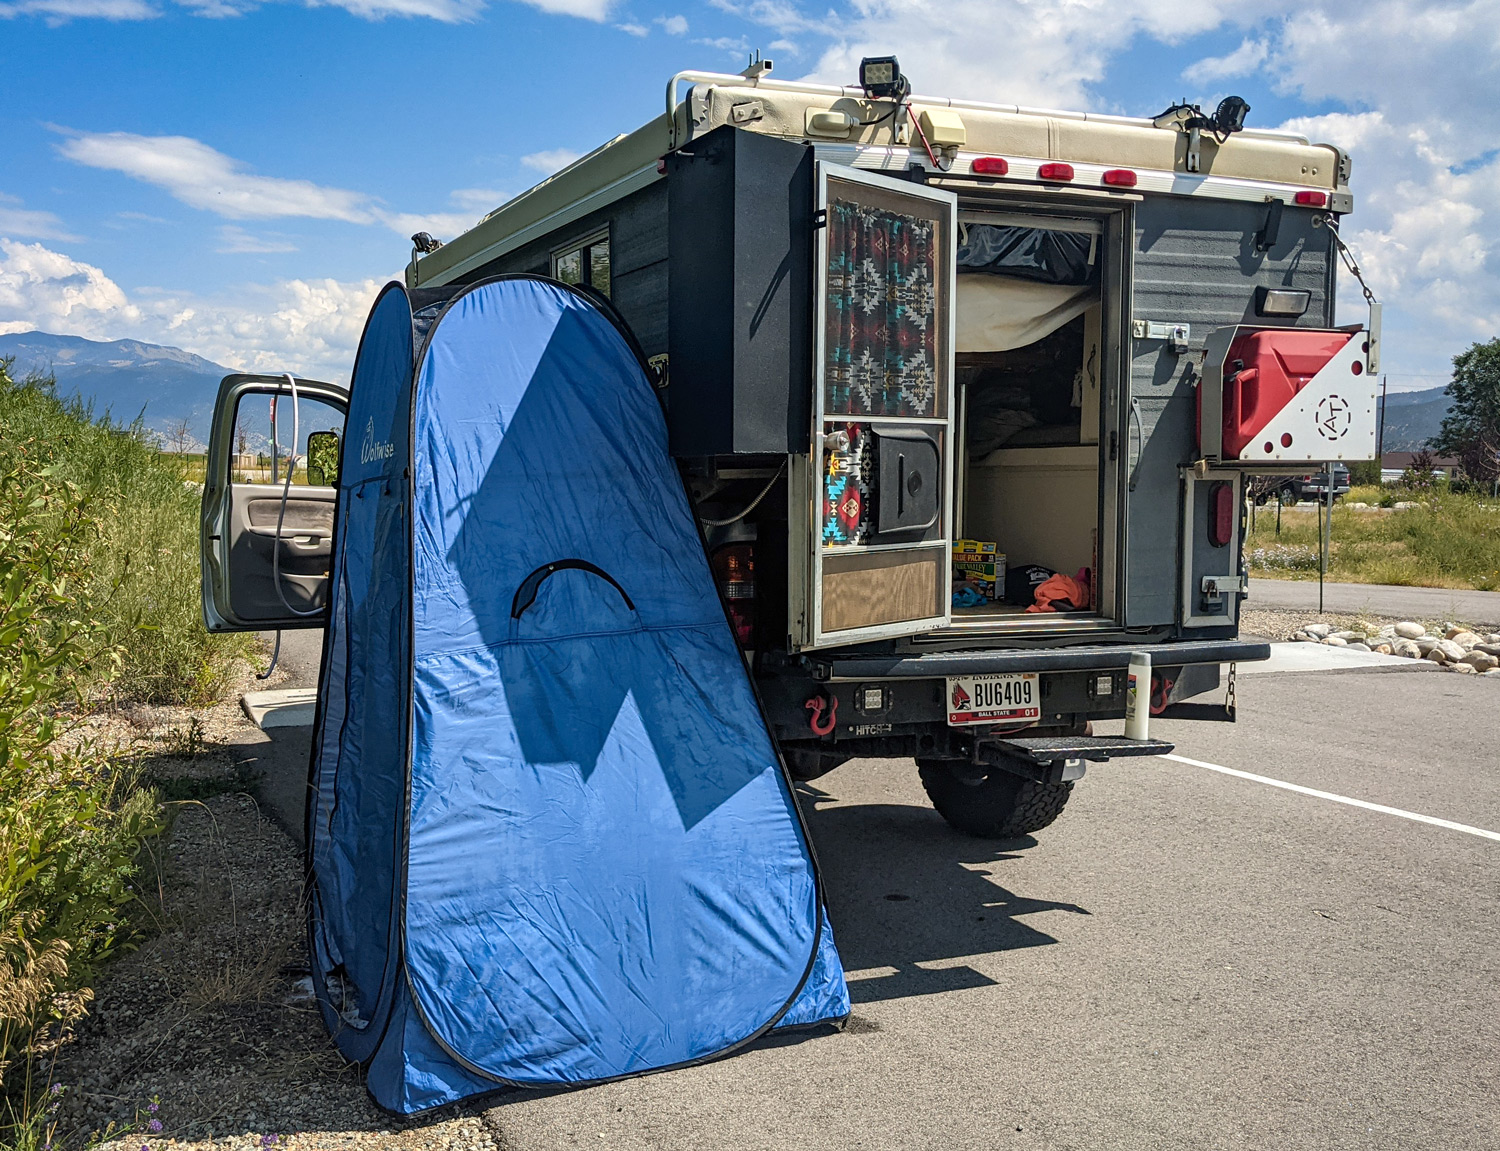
(1334, 416)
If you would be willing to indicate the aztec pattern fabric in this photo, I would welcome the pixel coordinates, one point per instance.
(882, 339)
(848, 485)
(551, 841)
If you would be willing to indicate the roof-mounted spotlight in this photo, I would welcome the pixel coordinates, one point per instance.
(880, 77)
(424, 243)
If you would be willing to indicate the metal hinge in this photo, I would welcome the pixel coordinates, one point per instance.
(1215, 586)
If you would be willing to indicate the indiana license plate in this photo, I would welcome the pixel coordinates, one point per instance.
(993, 698)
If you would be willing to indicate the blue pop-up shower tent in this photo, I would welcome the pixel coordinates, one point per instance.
(549, 837)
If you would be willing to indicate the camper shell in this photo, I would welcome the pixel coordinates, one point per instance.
(895, 335)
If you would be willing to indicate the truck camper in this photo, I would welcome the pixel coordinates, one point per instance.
(964, 395)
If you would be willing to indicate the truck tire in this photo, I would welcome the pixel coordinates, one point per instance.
(998, 805)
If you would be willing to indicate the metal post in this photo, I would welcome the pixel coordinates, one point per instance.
(1278, 515)
(1325, 540)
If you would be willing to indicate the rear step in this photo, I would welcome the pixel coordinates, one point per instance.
(1053, 759)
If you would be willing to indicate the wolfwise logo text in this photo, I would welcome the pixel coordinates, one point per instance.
(372, 449)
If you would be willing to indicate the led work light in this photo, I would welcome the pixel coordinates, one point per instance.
(880, 77)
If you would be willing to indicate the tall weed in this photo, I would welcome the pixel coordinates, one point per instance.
(71, 822)
(143, 575)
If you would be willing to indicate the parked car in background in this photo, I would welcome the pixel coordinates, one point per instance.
(1314, 486)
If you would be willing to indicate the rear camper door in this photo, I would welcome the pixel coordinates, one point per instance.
(269, 488)
(878, 482)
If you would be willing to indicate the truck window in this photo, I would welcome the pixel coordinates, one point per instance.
(261, 451)
(585, 262)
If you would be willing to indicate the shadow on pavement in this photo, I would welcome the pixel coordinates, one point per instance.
(907, 895)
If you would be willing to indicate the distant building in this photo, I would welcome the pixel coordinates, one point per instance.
(1393, 464)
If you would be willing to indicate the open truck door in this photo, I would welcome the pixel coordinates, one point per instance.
(266, 533)
(876, 490)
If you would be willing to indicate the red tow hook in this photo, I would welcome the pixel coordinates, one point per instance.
(1160, 688)
(820, 724)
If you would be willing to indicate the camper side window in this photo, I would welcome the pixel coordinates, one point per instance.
(585, 262)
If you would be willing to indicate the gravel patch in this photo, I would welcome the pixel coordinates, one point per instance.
(211, 1017)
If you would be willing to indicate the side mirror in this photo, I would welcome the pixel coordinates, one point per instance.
(323, 459)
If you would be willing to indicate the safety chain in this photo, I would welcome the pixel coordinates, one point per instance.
(1347, 256)
(1229, 697)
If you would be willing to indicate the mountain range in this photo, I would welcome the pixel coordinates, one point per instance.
(126, 378)
(164, 386)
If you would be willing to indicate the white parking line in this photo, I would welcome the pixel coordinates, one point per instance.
(1297, 787)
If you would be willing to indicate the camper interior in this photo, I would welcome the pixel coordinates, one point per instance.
(1030, 358)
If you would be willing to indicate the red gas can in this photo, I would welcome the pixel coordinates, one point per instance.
(1263, 371)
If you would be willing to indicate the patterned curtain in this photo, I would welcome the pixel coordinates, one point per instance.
(882, 313)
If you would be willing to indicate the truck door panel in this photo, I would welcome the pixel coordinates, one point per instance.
(266, 566)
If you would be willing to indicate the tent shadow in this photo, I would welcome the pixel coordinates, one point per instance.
(908, 895)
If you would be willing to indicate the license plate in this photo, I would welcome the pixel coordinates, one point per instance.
(993, 698)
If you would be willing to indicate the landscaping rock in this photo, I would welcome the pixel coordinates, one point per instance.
(1463, 668)
(1387, 632)
(1351, 636)
(1452, 651)
(1436, 656)
(1358, 646)
(1493, 637)
(1407, 648)
(1464, 639)
(1480, 661)
(1494, 672)
(1488, 648)
(1383, 648)
(1318, 630)
(1335, 641)
(1425, 643)
(1408, 630)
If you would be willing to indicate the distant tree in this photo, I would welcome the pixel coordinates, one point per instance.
(241, 434)
(179, 436)
(1418, 475)
(1471, 429)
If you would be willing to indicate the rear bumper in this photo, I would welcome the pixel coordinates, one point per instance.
(830, 667)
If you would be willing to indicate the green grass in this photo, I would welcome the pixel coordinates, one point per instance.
(1449, 540)
(143, 574)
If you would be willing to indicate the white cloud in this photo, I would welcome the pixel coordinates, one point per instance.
(445, 11)
(61, 11)
(205, 178)
(673, 25)
(234, 240)
(302, 325)
(29, 222)
(1243, 61)
(595, 10)
(550, 161)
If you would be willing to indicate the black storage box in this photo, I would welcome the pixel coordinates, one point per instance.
(739, 295)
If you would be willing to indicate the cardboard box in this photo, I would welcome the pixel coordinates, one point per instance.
(979, 561)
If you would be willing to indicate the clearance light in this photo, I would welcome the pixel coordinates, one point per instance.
(1055, 172)
(990, 166)
(1312, 199)
(1119, 178)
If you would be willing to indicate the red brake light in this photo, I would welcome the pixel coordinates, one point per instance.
(734, 571)
(1055, 171)
(1312, 199)
(1221, 514)
(1119, 178)
(990, 166)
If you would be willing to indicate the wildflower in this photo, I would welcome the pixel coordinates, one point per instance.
(154, 1107)
(154, 1126)
(269, 1140)
(57, 1089)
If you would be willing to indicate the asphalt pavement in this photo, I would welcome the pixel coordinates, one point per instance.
(1186, 959)
(1422, 603)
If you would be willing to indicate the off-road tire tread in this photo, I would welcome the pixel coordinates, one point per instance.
(1004, 806)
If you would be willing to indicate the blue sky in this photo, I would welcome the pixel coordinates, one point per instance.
(237, 178)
